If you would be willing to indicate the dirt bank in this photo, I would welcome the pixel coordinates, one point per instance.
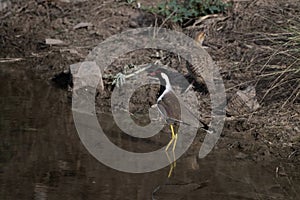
(254, 43)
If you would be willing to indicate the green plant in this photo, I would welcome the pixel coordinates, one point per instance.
(130, 1)
(181, 11)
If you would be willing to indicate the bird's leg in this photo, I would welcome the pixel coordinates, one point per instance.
(173, 150)
(174, 141)
(171, 170)
(173, 137)
(171, 165)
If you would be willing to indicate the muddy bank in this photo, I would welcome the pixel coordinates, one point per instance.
(255, 43)
(251, 44)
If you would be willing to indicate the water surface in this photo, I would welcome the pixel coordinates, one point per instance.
(41, 157)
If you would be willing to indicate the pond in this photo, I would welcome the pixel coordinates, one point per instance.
(42, 157)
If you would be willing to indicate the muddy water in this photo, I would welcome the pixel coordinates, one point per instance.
(41, 157)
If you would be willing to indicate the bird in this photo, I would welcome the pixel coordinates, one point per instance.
(169, 107)
(167, 104)
(199, 38)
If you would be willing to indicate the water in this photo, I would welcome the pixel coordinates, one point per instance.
(41, 157)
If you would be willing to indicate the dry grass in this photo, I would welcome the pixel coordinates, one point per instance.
(284, 77)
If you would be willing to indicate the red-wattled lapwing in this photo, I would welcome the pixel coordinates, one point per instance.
(169, 107)
(168, 104)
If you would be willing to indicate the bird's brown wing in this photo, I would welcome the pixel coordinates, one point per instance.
(169, 106)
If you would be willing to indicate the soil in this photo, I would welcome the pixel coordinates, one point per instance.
(252, 44)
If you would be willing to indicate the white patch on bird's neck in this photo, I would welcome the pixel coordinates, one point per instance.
(168, 86)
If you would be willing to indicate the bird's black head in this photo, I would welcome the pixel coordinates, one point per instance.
(156, 71)
(162, 75)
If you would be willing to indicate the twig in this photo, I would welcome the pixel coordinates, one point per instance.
(280, 72)
(163, 23)
(198, 21)
(275, 82)
(138, 71)
(292, 95)
(9, 60)
(238, 85)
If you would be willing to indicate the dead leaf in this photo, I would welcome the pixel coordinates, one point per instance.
(54, 41)
(82, 25)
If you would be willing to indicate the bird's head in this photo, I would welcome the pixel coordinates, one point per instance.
(161, 74)
(158, 72)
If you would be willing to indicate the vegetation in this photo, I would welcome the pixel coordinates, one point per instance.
(294, 38)
(181, 12)
(285, 76)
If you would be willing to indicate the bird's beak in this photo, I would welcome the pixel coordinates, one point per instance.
(153, 78)
(152, 74)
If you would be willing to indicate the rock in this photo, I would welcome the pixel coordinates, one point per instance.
(241, 155)
(243, 102)
(86, 74)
